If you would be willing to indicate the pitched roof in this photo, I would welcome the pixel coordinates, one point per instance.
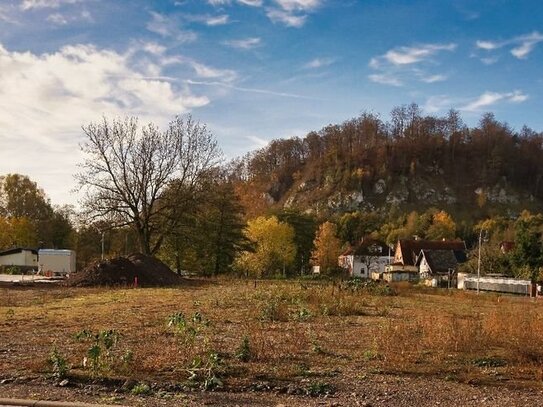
(439, 261)
(411, 248)
(17, 250)
(368, 247)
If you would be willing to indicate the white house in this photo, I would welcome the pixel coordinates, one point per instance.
(367, 257)
(19, 256)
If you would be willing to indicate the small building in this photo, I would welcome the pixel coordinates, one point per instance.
(56, 262)
(366, 258)
(408, 250)
(24, 258)
(439, 267)
(399, 272)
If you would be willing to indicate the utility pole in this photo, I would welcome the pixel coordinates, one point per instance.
(103, 234)
(479, 260)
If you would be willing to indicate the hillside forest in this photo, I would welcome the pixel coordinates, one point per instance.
(296, 202)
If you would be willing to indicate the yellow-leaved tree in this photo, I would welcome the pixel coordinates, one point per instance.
(327, 248)
(442, 227)
(274, 250)
(17, 232)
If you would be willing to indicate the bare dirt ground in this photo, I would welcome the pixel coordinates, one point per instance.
(307, 345)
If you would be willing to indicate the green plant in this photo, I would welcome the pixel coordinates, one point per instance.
(141, 389)
(188, 329)
(58, 363)
(302, 314)
(206, 371)
(243, 353)
(320, 389)
(99, 356)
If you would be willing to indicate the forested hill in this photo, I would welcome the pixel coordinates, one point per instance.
(411, 162)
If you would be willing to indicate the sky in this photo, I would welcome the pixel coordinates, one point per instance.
(252, 70)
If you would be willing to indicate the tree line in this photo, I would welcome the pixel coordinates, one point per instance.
(169, 193)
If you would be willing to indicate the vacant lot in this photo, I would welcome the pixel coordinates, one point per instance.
(226, 342)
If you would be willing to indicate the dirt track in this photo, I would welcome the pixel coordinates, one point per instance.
(374, 390)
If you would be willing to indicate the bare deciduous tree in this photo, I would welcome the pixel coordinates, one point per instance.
(137, 176)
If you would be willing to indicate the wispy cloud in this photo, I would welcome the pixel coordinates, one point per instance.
(488, 99)
(251, 3)
(69, 18)
(401, 64)
(521, 46)
(292, 13)
(40, 4)
(433, 78)
(410, 55)
(217, 20)
(245, 43)
(249, 90)
(385, 79)
(6, 15)
(208, 72)
(168, 27)
(319, 63)
(437, 103)
(210, 20)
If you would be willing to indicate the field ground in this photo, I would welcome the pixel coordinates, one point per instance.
(222, 342)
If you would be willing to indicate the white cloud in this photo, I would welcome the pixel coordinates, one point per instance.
(153, 48)
(286, 18)
(437, 103)
(208, 72)
(490, 98)
(246, 43)
(401, 64)
(522, 45)
(488, 45)
(411, 55)
(67, 18)
(169, 28)
(251, 3)
(57, 19)
(217, 20)
(40, 4)
(434, 78)
(298, 5)
(45, 98)
(489, 60)
(292, 13)
(385, 79)
(5, 14)
(319, 63)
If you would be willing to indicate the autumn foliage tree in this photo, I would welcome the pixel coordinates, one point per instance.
(274, 248)
(327, 248)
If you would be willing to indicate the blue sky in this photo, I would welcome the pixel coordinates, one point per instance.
(253, 70)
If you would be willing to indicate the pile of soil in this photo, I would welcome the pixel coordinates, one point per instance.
(122, 271)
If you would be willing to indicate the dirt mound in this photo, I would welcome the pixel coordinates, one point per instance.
(123, 271)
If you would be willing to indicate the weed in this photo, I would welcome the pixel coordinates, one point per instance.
(206, 371)
(58, 363)
(302, 314)
(243, 353)
(141, 389)
(99, 356)
(320, 389)
(489, 362)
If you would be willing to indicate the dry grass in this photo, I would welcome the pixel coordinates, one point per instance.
(295, 330)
